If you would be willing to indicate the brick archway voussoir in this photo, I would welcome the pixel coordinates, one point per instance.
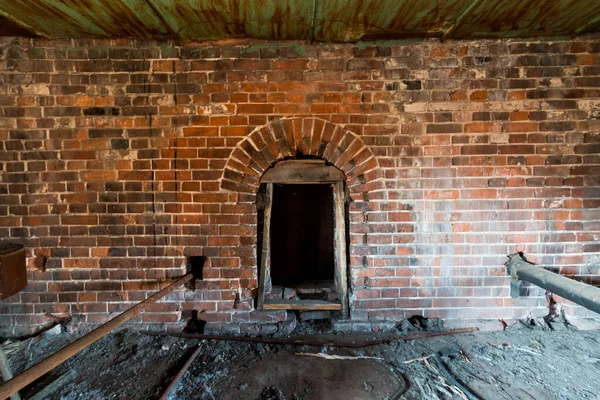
(307, 136)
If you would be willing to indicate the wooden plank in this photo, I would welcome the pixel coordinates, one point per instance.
(302, 305)
(305, 163)
(265, 262)
(303, 174)
(341, 273)
(302, 182)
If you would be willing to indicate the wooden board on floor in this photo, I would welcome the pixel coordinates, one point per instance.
(302, 305)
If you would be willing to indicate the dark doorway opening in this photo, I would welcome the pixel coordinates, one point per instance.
(302, 219)
(302, 234)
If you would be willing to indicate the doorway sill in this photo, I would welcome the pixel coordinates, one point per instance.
(302, 305)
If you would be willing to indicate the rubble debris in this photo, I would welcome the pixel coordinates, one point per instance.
(554, 308)
(534, 323)
(128, 364)
(289, 294)
(417, 322)
(444, 371)
(6, 373)
(591, 360)
(425, 393)
(49, 390)
(528, 351)
(555, 319)
(54, 319)
(289, 325)
(10, 346)
(312, 315)
(425, 358)
(271, 393)
(282, 293)
(26, 377)
(453, 389)
(465, 356)
(405, 326)
(276, 293)
(449, 352)
(56, 330)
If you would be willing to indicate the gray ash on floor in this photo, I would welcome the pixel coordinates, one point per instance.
(522, 362)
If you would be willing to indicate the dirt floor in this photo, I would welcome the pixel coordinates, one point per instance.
(523, 362)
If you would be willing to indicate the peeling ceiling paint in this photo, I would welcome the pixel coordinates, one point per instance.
(313, 20)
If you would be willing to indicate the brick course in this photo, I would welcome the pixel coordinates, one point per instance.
(121, 158)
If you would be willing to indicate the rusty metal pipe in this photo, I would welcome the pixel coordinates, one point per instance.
(580, 293)
(316, 342)
(182, 371)
(26, 377)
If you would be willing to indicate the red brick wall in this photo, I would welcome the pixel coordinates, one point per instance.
(121, 158)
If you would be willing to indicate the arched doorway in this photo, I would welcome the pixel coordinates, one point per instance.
(303, 246)
(301, 138)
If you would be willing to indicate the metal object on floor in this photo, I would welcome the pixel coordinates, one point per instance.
(182, 371)
(580, 293)
(315, 341)
(26, 377)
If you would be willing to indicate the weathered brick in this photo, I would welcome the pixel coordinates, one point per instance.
(120, 174)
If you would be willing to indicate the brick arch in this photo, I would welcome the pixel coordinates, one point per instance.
(309, 136)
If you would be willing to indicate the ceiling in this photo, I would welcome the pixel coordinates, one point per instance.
(313, 20)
